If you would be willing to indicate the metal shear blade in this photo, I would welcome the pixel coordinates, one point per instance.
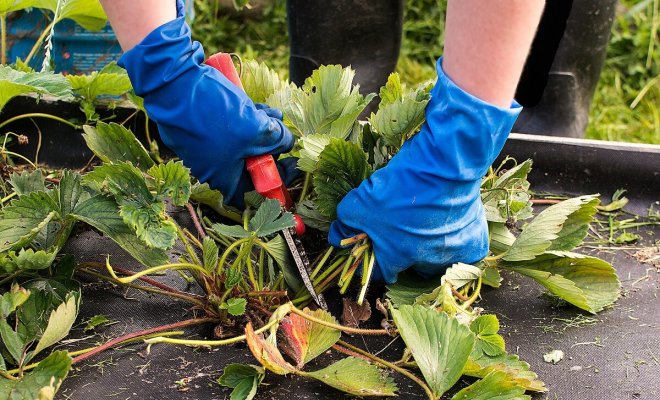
(302, 262)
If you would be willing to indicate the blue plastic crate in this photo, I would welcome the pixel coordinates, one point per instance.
(75, 49)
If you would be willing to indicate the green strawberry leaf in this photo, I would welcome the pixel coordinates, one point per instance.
(515, 369)
(547, 227)
(46, 295)
(311, 148)
(69, 193)
(123, 181)
(172, 180)
(138, 207)
(492, 277)
(342, 167)
(507, 197)
(244, 379)
(356, 377)
(110, 81)
(409, 286)
(327, 103)
(312, 217)
(234, 306)
(14, 83)
(27, 182)
(495, 386)
(501, 238)
(439, 344)
(87, 13)
(149, 223)
(441, 299)
(24, 218)
(392, 91)
(102, 213)
(259, 81)
(489, 342)
(461, 274)
(234, 231)
(42, 383)
(586, 282)
(11, 300)
(269, 219)
(397, 120)
(113, 143)
(7, 6)
(210, 254)
(12, 341)
(278, 250)
(59, 324)
(202, 193)
(26, 260)
(575, 228)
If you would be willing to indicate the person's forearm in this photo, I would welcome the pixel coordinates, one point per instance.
(486, 45)
(133, 20)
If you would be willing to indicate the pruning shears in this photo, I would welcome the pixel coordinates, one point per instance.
(268, 183)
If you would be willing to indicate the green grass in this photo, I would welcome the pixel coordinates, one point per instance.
(626, 105)
(627, 101)
(263, 38)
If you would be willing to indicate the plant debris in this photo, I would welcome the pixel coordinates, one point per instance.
(553, 357)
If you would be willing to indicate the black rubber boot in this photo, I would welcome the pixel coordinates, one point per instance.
(365, 34)
(563, 67)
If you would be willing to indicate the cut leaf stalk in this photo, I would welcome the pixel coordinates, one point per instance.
(321, 263)
(356, 331)
(353, 240)
(348, 278)
(175, 266)
(176, 294)
(366, 276)
(39, 115)
(211, 343)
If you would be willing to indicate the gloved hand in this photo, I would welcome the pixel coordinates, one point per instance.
(206, 120)
(423, 210)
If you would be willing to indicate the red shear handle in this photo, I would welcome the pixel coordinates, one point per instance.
(223, 63)
(263, 170)
(267, 180)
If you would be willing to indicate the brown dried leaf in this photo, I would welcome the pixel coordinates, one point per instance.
(354, 313)
(382, 308)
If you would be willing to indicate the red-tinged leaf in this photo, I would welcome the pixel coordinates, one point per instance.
(307, 340)
(267, 353)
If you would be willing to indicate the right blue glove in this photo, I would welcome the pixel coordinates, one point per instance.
(206, 120)
(423, 210)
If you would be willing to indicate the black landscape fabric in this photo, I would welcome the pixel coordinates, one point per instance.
(613, 355)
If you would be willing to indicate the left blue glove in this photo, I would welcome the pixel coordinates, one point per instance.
(206, 120)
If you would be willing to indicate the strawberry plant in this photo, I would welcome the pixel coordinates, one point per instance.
(241, 262)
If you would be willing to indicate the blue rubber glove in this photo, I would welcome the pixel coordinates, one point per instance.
(423, 210)
(205, 119)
